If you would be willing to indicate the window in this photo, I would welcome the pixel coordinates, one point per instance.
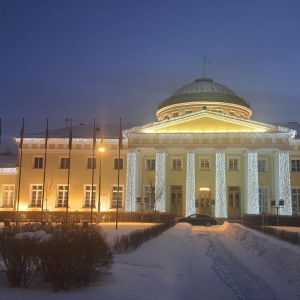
(176, 164)
(36, 195)
(262, 165)
(175, 114)
(8, 194)
(115, 196)
(233, 164)
(263, 194)
(231, 113)
(295, 165)
(204, 164)
(296, 200)
(118, 163)
(64, 162)
(149, 196)
(91, 163)
(38, 163)
(188, 111)
(150, 164)
(62, 195)
(89, 197)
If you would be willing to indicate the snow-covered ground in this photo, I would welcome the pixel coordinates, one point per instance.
(186, 262)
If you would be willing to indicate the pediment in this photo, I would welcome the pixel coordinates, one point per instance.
(206, 122)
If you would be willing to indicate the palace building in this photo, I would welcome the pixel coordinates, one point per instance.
(204, 154)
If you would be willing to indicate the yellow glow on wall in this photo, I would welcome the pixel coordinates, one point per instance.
(204, 189)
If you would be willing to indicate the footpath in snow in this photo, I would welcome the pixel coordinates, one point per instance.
(186, 262)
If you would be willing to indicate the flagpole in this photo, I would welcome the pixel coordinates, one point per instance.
(44, 177)
(0, 130)
(120, 146)
(203, 66)
(20, 169)
(93, 172)
(69, 168)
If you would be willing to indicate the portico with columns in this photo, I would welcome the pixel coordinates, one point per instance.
(208, 156)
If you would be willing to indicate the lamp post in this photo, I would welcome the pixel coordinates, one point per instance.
(101, 150)
(280, 205)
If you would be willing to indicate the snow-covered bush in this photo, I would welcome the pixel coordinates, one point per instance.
(133, 240)
(18, 253)
(74, 257)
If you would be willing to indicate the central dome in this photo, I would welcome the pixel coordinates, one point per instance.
(204, 85)
(203, 93)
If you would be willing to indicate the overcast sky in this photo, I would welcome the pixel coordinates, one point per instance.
(110, 59)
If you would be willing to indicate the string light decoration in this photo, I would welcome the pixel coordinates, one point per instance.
(131, 182)
(252, 195)
(190, 184)
(220, 202)
(74, 140)
(8, 171)
(284, 184)
(160, 180)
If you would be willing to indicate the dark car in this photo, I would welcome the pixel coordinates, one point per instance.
(199, 219)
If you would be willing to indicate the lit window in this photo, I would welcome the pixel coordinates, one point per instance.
(149, 196)
(36, 195)
(38, 163)
(64, 162)
(8, 194)
(263, 194)
(204, 164)
(150, 164)
(117, 196)
(295, 165)
(176, 164)
(233, 164)
(89, 197)
(296, 200)
(262, 165)
(118, 163)
(91, 163)
(62, 196)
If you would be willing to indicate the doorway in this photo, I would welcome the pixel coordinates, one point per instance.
(204, 201)
(234, 202)
(176, 200)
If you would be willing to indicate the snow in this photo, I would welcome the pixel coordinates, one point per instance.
(226, 261)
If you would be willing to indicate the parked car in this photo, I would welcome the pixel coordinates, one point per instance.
(199, 219)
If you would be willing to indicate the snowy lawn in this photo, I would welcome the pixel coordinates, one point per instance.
(186, 262)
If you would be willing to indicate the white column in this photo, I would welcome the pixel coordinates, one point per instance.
(220, 202)
(251, 183)
(282, 182)
(160, 181)
(131, 181)
(190, 184)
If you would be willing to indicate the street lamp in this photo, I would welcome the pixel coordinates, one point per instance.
(101, 150)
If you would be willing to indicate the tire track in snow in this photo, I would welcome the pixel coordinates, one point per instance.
(244, 283)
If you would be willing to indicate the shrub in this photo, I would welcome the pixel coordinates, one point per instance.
(74, 257)
(18, 253)
(133, 240)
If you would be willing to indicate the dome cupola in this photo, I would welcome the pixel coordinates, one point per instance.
(203, 93)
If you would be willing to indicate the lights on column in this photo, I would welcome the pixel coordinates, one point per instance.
(252, 196)
(190, 184)
(285, 184)
(131, 182)
(160, 180)
(220, 203)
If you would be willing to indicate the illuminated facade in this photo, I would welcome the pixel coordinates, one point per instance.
(203, 155)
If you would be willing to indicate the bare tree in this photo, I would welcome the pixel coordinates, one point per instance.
(154, 194)
(48, 190)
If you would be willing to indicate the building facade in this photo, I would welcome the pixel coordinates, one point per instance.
(204, 154)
